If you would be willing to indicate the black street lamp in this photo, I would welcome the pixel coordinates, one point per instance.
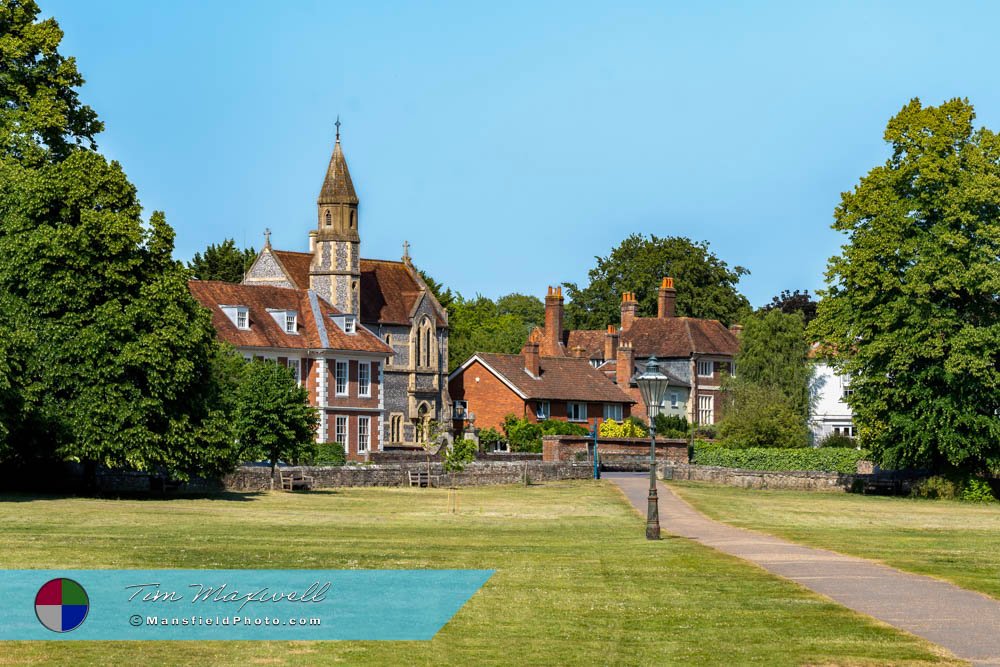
(653, 387)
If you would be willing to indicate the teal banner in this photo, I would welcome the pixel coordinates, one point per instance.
(232, 604)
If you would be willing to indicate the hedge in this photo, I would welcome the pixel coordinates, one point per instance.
(835, 459)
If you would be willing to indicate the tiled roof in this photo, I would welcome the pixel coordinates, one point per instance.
(610, 369)
(337, 186)
(265, 332)
(591, 340)
(388, 289)
(561, 378)
(679, 337)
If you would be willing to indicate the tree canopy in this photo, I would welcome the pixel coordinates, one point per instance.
(706, 285)
(223, 262)
(911, 310)
(794, 302)
(112, 358)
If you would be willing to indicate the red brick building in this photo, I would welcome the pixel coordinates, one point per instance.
(492, 386)
(339, 361)
(694, 353)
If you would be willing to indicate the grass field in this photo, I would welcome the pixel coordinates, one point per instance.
(959, 542)
(576, 583)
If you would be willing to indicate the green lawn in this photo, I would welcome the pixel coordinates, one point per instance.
(956, 541)
(575, 582)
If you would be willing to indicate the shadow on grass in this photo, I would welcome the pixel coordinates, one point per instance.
(228, 496)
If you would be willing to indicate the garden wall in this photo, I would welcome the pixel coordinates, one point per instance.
(761, 479)
(258, 478)
(618, 453)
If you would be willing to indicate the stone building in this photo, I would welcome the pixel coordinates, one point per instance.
(389, 298)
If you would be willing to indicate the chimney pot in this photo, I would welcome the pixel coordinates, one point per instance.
(666, 302)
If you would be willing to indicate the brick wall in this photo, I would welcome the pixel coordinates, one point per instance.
(489, 398)
(574, 448)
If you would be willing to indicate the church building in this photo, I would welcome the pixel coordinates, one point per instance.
(389, 298)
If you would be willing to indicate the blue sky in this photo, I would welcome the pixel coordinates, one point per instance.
(511, 143)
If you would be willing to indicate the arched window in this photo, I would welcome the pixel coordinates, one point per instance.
(416, 352)
(329, 217)
(354, 218)
(427, 346)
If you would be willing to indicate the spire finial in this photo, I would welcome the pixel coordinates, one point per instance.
(267, 237)
(406, 250)
(338, 128)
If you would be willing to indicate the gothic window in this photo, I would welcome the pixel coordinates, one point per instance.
(396, 428)
(416, 355)
(426, 354)
(354, 218)
(329, 218)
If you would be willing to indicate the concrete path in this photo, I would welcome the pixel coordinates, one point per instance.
(964, 622)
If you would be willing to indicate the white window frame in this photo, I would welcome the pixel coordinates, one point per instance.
(581, 410)
(291, 322)
(708, 365)
(296, 366)
(675, 399)
(543, 410)
(364, 434)
(337, 365)
(364, 379)
(350, 325)
(340, 434)
(243, 318)
(613, 411)
(706, 409)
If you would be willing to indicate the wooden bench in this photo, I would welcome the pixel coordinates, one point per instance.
(421, 478)
(293, 481)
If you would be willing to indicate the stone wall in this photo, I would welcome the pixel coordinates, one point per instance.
(258, 478)
(761, 479)
(620, 453)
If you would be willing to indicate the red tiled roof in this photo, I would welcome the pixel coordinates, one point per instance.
(679, 337)
(388, 289)
(591, 340)
(264, 331)
(561, 378)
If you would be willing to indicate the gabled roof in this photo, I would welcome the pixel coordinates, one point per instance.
(561, 378)
(337, 186)
(316, 329)
(679, 337)
(390, 291)
(591, 340)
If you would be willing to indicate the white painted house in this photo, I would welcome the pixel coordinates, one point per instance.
(830, 413)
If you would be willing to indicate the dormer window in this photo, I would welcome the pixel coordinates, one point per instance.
(288, 320)
(238, 315)
(347, 323)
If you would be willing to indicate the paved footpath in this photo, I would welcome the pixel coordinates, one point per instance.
(964, 622)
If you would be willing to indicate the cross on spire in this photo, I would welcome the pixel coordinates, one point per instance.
(406, 249)
(267, 237)
(338, 127)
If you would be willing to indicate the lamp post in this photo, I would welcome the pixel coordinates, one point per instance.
(653, 386)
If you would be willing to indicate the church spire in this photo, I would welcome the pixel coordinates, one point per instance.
(337, 186)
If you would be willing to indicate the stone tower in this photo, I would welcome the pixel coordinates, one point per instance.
(335, 272)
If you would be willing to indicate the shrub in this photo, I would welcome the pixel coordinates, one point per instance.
(460, 453)
(707, 432)
(328, 454)
(954, 487)
(556, 427)
(836, 459)
(761, 416)
(671, 426)
(837, 440)
(522, 435)
(489, 438)
(611, 429)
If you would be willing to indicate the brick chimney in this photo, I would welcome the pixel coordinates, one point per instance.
(578, 352)
(553, 323)
(624, 362)
(629, 308)
(667, 299)
(610, 343)
(531, 361)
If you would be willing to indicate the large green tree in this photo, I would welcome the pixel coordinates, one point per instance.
(272, 418)
(223, 262)
(706, 285)
(113, 357)
(476, 325)
(912, 308)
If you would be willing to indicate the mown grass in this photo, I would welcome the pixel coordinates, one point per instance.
(576, 583)
(959, 542)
